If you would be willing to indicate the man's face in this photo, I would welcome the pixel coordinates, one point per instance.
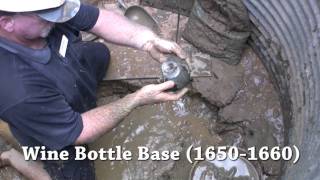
(30, 26)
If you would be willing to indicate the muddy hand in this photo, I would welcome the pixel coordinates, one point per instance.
(153, 93)
(5, 158)
(158, 47)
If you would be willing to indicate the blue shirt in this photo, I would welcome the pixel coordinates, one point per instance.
(43, 94)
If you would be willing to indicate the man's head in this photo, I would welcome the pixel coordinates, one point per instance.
(35, 18)
(26, 25)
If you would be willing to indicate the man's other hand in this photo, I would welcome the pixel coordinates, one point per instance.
(153, 93)
(158, 47)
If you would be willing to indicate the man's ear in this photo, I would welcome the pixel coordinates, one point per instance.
(7, 23)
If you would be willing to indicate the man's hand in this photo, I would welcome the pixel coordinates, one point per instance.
(100, 120)
(32, 170)
(151, 94)
(157, 47)
(129, 33)
(5, 159)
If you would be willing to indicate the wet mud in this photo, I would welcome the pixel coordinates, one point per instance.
(219, 28)
(237, 106)
(240, 169)
(252, 118)
(167, 126)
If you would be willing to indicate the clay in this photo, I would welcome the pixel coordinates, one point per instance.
(255, 114)
(219, 28)
(169, 126)
(243, 95)
(222, 87)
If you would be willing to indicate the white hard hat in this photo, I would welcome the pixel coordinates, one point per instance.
(50, 10)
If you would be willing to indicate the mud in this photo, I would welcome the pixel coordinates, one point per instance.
(128, 63)
(167, 126)
(243, 106)
(219, 28)
(240, 169)
(223, 86)
(255, 115)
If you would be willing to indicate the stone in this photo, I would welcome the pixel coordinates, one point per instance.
(256, 110)
(256, 97)
(220, 28)
(222, 87)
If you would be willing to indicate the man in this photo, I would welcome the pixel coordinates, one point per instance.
(49, 77)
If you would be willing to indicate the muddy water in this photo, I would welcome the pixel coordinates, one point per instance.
(167, 126)
(253, 118)
(240, 169)
(250, 115)
(8, 173)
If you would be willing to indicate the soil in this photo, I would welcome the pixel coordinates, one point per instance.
(252, 118)
(236, 106)
(219, 28)
(167, 126)
(255, 112)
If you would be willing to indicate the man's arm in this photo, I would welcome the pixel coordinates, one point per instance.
(120, 30)
(100, 120)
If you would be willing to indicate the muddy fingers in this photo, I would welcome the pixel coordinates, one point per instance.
(166, 46)
(170, 96)
(158, 47)
(179, 94)
(151, 94)
(4, 158)
(165, 86)
(179, 51)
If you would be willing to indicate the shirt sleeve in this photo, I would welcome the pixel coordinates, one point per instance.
(85, 19)
(47, 118)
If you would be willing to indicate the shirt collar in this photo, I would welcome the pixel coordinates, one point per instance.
(42, 56)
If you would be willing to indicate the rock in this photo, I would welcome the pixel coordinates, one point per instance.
(256, 109)
(222, 87)
(256, 96)
(219, 28)
(170, 126)
(9, 173)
